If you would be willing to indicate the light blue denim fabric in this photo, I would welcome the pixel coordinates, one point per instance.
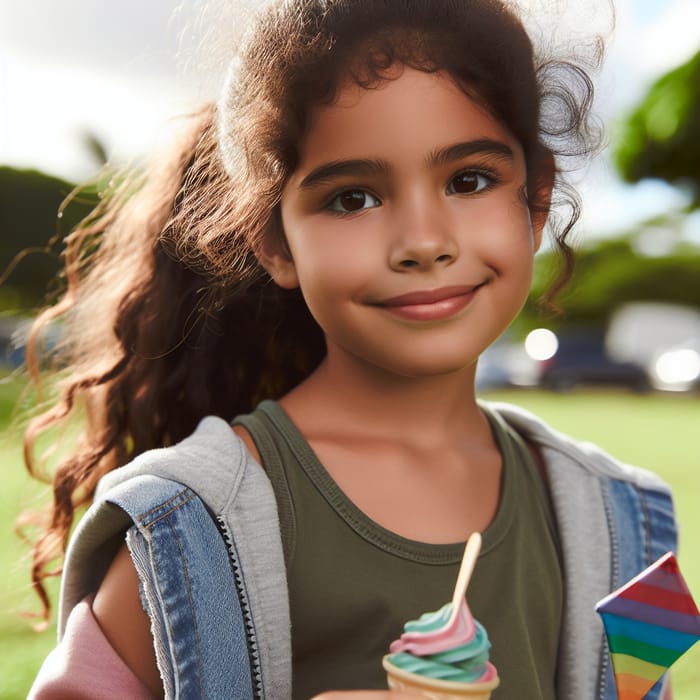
(644, 530)
(190, 587)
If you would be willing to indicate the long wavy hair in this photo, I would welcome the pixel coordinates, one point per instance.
(167, 315)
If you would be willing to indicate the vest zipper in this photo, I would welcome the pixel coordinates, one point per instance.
(249, 627)
(602, 679)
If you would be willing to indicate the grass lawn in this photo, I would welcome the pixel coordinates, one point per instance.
(21, 648)
(658, 432)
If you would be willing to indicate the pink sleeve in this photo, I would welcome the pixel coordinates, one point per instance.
(84, 665)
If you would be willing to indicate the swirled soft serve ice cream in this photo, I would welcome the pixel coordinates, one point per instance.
(444, 654)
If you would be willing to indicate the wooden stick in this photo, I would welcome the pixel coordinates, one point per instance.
(471, 553)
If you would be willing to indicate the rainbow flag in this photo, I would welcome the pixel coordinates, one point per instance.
(650, 622)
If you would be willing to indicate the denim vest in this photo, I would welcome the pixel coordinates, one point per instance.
(212, 571)
(210, 564)
(193, 590)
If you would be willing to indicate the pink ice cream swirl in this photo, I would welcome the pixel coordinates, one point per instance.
(431, 647)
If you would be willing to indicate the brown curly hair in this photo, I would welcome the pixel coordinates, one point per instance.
(167, 314)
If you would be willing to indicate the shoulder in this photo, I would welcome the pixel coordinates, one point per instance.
(212, 464)
(562, 452)
(211, 461)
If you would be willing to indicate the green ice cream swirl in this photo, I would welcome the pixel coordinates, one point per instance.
(464, 663)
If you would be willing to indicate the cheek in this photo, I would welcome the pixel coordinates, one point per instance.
(508, 232)
(332, 255)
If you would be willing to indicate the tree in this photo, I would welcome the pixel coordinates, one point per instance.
(661, 138)
(610, 273)
(30, 231)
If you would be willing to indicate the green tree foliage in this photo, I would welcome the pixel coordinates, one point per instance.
(611, 273)
(661, 138)
(30, 234)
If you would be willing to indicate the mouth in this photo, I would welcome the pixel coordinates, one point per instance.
(431, 305)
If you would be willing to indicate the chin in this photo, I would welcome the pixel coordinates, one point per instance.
(424, 367)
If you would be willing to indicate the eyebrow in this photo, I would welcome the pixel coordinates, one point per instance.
(458, 151)
(328, 172)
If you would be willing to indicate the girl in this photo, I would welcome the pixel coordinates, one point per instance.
(336, 243)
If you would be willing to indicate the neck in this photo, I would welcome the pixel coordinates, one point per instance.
(365, 399)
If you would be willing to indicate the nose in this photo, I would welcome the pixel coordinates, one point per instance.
(423, 238)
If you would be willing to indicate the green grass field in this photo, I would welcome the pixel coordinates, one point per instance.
(656, 431)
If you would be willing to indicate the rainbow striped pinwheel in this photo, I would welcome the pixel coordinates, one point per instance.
(650, 622)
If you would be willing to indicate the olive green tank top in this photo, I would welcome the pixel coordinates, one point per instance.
(353, 584)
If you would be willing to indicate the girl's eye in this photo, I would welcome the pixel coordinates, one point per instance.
(469, 182)
(350, 201)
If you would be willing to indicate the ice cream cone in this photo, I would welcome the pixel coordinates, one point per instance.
(435, 689)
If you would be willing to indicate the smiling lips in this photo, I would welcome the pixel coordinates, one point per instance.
(430, 305)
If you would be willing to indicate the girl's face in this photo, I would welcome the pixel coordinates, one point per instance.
(408, 230)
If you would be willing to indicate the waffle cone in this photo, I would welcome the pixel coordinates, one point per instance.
(433, 688)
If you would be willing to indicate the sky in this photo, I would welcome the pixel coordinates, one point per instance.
(122, 71)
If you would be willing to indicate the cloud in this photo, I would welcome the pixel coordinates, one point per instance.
(650, 39)
(113, 69)
(123, 69)
(44, 128)
(670, 40)
(125, 37)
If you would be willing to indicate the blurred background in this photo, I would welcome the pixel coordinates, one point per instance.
(86, 83)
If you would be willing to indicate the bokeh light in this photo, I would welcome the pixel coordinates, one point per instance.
(541, 344)
(678, 368)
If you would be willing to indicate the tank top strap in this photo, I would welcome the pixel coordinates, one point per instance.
(521, 454)
(268, 440)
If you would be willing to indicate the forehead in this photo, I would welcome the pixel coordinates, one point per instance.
(410, 111)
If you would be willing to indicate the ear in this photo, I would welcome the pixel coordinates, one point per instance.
(273, 254)
(543, 183)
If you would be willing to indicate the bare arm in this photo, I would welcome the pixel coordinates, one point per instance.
(117, 608)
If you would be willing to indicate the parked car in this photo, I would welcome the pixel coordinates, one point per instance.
(582, 358)
(505, 364)
(14, 331)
